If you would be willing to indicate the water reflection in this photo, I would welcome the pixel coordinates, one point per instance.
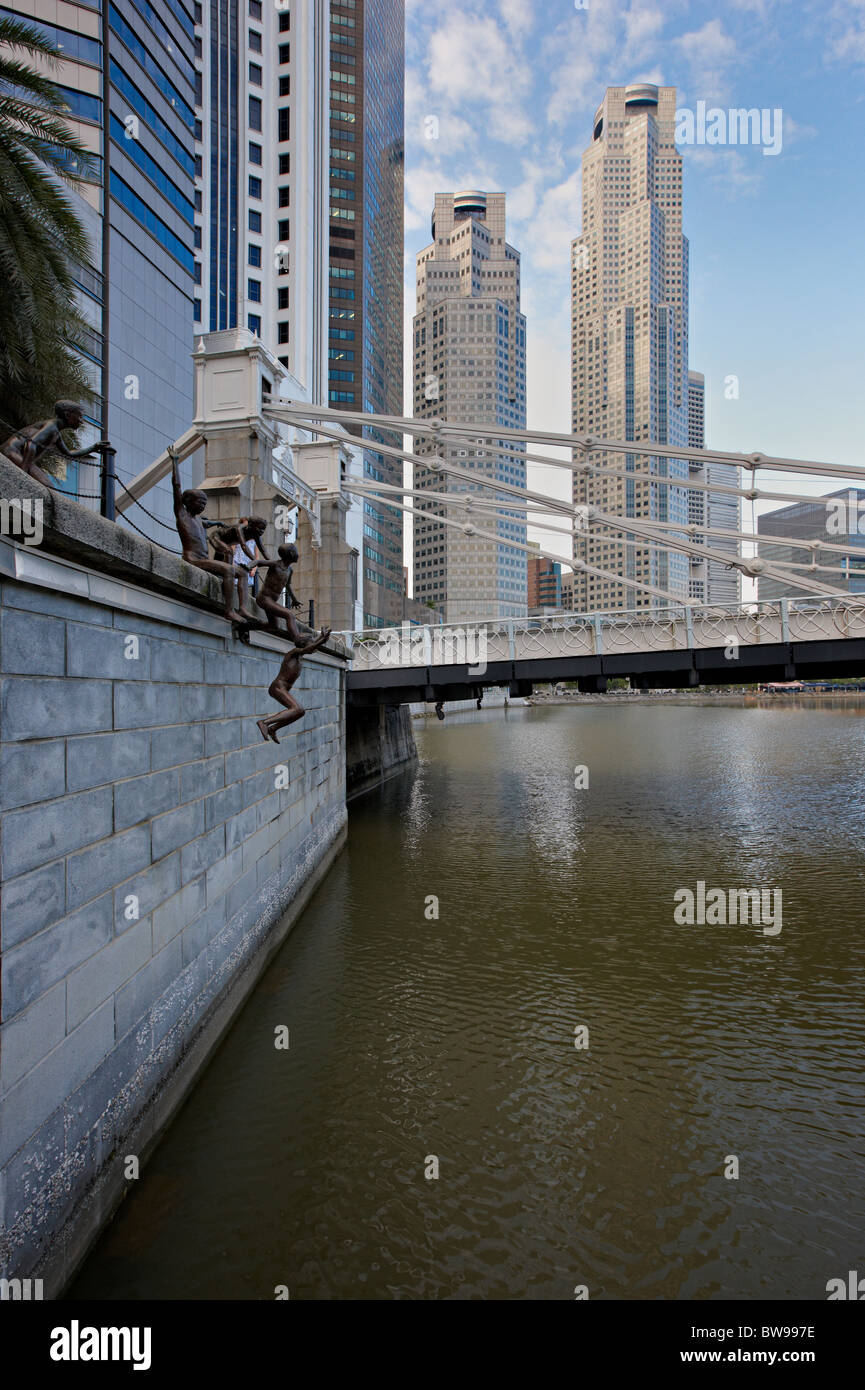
(414, 1035)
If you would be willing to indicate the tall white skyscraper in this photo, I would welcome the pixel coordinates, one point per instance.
(710, 580)
(630, 340)
(262, 177)
(470, 366)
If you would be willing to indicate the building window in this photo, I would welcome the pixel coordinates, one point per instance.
(285, 53)
(283, 230)
(197, 274)
(284, 197)
(254, 153)
(253, 255)
(254, 187)
(254, 221)
(197, 304)
(255, 9)
(255, 74)
(253, 290)
(284, 21)
(255, 113)
(282, 333)
(285, 86)
(284, 132)
(282, 297)
(254, 324)
(285, 163)
(255, 40)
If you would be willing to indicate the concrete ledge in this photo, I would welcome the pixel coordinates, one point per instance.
(81, 541)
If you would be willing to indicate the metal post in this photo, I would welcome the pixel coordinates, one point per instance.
(785, 619)
(106, 487)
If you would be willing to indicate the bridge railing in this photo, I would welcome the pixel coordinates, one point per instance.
(675, 627)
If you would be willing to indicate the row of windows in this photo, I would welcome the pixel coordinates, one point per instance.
(151, 67)
(71, 45)
(135, 151)
(166, 38)
(143, 108)
(82, 104)
(129, 199)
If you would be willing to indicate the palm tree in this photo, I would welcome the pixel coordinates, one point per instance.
(41, 235)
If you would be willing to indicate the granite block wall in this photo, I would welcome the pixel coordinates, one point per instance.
(154, 851)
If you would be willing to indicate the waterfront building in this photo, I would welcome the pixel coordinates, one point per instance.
(544, 583)
(365, 324)
(837, 518)
(630, 340)
(262, 162)
(470, 366)
(710, 580)
(131, 84)
(568, 591)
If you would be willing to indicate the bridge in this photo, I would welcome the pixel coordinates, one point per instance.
(681, 646)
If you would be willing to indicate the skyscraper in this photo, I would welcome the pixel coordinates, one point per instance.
(629, 361)
(129, 79)
(262, 177)
(837, 518)
(710, 581)
(365, 327)
(544, 582)
(470, 366)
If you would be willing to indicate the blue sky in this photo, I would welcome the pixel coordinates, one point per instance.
(777, 243)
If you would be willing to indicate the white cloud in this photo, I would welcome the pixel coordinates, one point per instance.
(472, 62)
(557, 218)
(729, 170)
(709, 52)
(606, 45)
(518, 15)
(846, 42)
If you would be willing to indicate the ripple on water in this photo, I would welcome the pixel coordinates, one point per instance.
(453, 1038)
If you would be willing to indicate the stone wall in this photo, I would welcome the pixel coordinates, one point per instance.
(155, 852)
(380, 743)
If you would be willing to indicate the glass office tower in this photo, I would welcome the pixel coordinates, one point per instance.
(366, 253)
(128, 73)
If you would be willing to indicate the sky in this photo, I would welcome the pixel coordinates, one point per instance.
(777, 242)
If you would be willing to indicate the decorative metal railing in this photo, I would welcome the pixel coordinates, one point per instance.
(674, 628)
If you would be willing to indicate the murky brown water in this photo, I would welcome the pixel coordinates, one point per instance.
(454, 1037)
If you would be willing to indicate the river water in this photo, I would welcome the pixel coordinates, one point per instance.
(423, 1042)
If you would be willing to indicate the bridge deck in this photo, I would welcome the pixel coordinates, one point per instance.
(788, 639)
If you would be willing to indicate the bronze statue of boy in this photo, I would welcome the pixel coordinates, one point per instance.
(278, 577)
(280, 689)
(30, 443)
(188, 507)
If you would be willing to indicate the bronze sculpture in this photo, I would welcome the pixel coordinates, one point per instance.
(280, 688)
(225, 537)
(188, 507)
(278, 577)
(30, 443)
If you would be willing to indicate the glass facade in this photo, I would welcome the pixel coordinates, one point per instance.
(366, 251)
(127, 72)
(224, 163)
